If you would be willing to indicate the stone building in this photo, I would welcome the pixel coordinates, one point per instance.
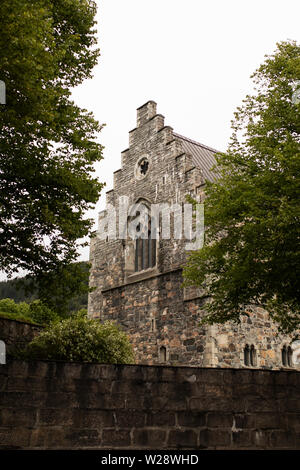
(138, 281)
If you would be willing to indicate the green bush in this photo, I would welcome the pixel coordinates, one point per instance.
(15, 311)
(79, 338)
(24, 309)
(8, 305)
(41, 314)
(81, 313)
(35, 312)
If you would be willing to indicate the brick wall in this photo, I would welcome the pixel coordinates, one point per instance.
(48, 405)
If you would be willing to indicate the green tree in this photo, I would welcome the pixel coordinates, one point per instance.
(251, 251)
(65, 290)
(79, 338)
(48, 144)
(41, 314)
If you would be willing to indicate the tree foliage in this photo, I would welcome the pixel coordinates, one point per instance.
(251, 252)
(47, 143)
(41, 313)
(65, 290)
(12, 288)
(81, 339)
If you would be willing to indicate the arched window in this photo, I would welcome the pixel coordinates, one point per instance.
(284, 358)
(290, 357)
(145, 249)
(162, 354)
(247, 355)
(252, 356)
(287, 356)
(141, 246)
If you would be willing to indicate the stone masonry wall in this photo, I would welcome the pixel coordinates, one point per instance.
(16, 334)
(167, 181)
(51, 405)
(151, 305)
(257, 329)
(153, 314)
(158, 312)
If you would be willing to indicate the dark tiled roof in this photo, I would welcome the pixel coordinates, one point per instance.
(203, 156)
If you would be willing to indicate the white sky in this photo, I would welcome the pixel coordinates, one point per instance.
(193, 57)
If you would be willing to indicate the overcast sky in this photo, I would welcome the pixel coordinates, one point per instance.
(193, 57)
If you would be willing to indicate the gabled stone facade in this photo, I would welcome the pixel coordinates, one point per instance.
(162, 318)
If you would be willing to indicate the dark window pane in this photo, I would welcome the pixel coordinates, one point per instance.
(145, 254)
(150, 252)
(141, 264)
(162, 354)
(290, 357)
(136, 261)
(252, 356)
(153, 252)
(284, 356)
(247, 355)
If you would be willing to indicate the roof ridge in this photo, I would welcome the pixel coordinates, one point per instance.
(195, 142)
